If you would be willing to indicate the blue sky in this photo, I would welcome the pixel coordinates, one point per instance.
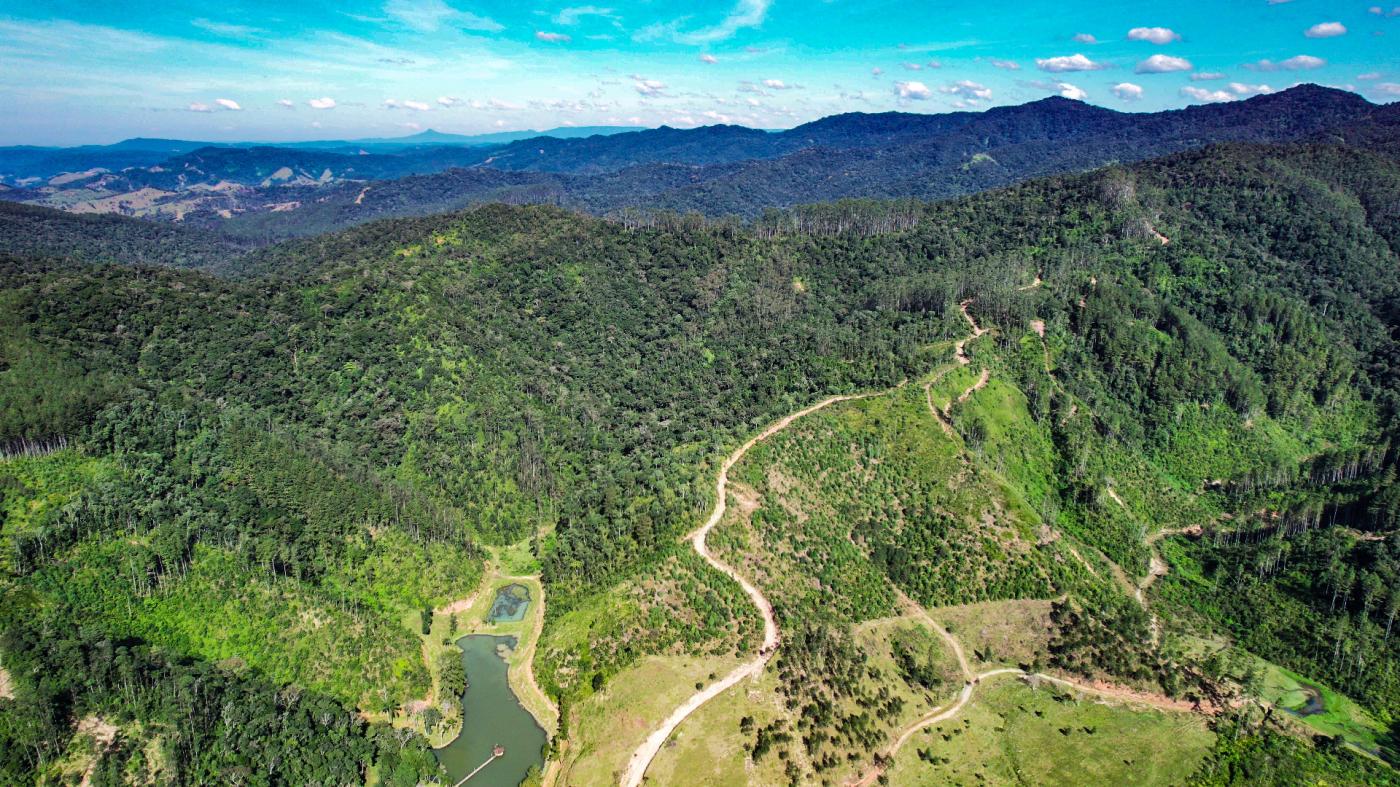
(80, 71)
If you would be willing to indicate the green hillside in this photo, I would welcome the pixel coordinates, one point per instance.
(248, 489)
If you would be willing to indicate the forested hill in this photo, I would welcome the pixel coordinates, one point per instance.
(34, 234)
(321, 443)
(265, 194)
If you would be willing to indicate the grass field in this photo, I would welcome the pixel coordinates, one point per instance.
(710, 748)
(608, 726)
(1013, 734)
(1339, 714)
(1000, 633)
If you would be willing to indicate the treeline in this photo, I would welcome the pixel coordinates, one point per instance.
(194, 723)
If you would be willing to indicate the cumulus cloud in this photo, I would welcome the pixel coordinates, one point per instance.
(1207, 96)
(1295, 63)
(1378, 11)
(933, 64)
(1071, 91)
(449, 101)
(416, 106)
(286, 103)
(1242, 89)
(1085, 38)
(912, 66)
(912, 91)
(228, 103)
(968, 90)
(428, 16)
(553, 38)
(1127, 91)
(1161, 64)
(321, 103)
(777, 84)
(1206, 76)
(708, 58)
(1006, 65)
(1388, 89)
(1155, 35)
(649, 87)
(1326, 30)
(200, 107)
(1075, 62)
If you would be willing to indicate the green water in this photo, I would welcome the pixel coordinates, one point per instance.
(510, 604)
(492, 716)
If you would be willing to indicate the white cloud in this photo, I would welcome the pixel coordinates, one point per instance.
(227, 30)
(1075, 62)
(649, 87)
(1127, 91)
(1369, 76)
(200, 107)
(933, 64)
(1085, 38)
(427, 16)
(228, 103)
(968, 90)
(778, 84)
(1155, 35)
(1005, 65)
(1241, 89)
(912, 91)
(1378, 11)
(1070, 91)
(876, 72)
(286, 103)
(1206, 76)
(449, 101)
(1388, 89)
(912, 66)
(1295, 63)
(553, 38)
(417, 106)
(745, 14)
(1326, 30)
(321, 103)
(1207, 96)
(1161, 64)
(571, 16)
(708, 58)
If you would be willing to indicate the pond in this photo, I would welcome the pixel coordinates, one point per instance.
(492, 717)
(510, 604)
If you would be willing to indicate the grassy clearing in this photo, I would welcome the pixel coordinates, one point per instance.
(609, 725)
(452, 621)
(1340, 715)
(1013, 734)
(1000, 633)
(714, 745)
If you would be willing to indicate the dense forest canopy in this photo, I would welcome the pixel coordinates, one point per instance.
(244, 436)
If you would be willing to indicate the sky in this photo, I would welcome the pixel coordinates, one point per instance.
(81, 71)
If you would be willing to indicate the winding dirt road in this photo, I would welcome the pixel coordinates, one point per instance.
(642, 757)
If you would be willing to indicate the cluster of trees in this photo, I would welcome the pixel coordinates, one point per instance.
(179, 721)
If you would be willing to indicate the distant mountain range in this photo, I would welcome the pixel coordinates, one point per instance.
(23, 162)
(263, 193)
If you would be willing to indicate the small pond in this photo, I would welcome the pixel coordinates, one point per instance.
(510, 604)
(492, 717)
